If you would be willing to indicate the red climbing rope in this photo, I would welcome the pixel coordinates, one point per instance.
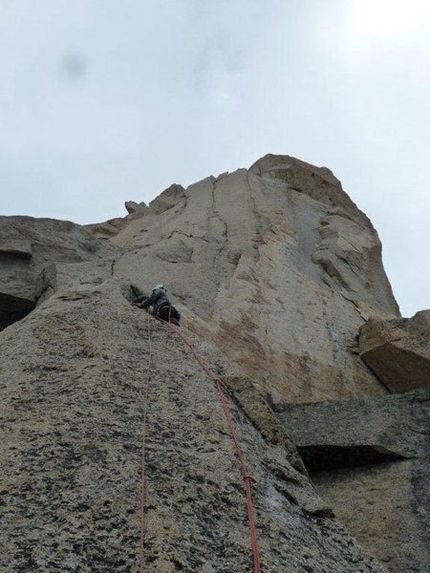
(145, 417)
(246, 477)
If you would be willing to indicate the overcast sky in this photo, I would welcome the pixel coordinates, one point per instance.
(103, 102)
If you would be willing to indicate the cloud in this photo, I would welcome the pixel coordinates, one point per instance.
(104, 103)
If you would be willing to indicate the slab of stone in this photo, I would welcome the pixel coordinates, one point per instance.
(370, 460)
(279, 272)
(72, 389)
(15, 247)
(398, 351)
(167, 199)
(397, 423)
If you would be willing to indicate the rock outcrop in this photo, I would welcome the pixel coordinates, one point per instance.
(370, 459)
(398, 351)
(276, 266)
(275, 271)
(27, 247)
(72, 435)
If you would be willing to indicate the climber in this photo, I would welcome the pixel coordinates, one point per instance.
(162, 308)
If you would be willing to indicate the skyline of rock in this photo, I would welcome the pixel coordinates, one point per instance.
(279, 279)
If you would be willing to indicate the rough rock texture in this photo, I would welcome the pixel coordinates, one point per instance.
(108, 229)
(277, 267)
(134, 208)
(274, 270)
(398, 351)
(72, 430)
(27, 247)
(370, 458)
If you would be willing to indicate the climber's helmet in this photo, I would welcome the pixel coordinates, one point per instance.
(159, 287)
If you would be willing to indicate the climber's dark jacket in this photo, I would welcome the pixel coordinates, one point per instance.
(157, 299)
(161, 306)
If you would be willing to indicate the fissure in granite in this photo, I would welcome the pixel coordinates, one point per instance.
(250, 259)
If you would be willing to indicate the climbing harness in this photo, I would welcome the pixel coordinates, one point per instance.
(246, 477)
(160, 314)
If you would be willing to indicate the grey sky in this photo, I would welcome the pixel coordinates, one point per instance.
(102, 102)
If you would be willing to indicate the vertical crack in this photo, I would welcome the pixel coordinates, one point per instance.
(261, 225)
(260, 221)
(215, 213)
(220, 266)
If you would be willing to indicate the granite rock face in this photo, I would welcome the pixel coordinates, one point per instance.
(27, 247)
(72, 378)
(276, 266)
(274, 270)
(398, 351)
(370, 459)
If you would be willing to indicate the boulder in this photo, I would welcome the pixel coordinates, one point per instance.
(167, 199)
(110, 228)
(133, 207)
(398, 351)
(136, 210)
